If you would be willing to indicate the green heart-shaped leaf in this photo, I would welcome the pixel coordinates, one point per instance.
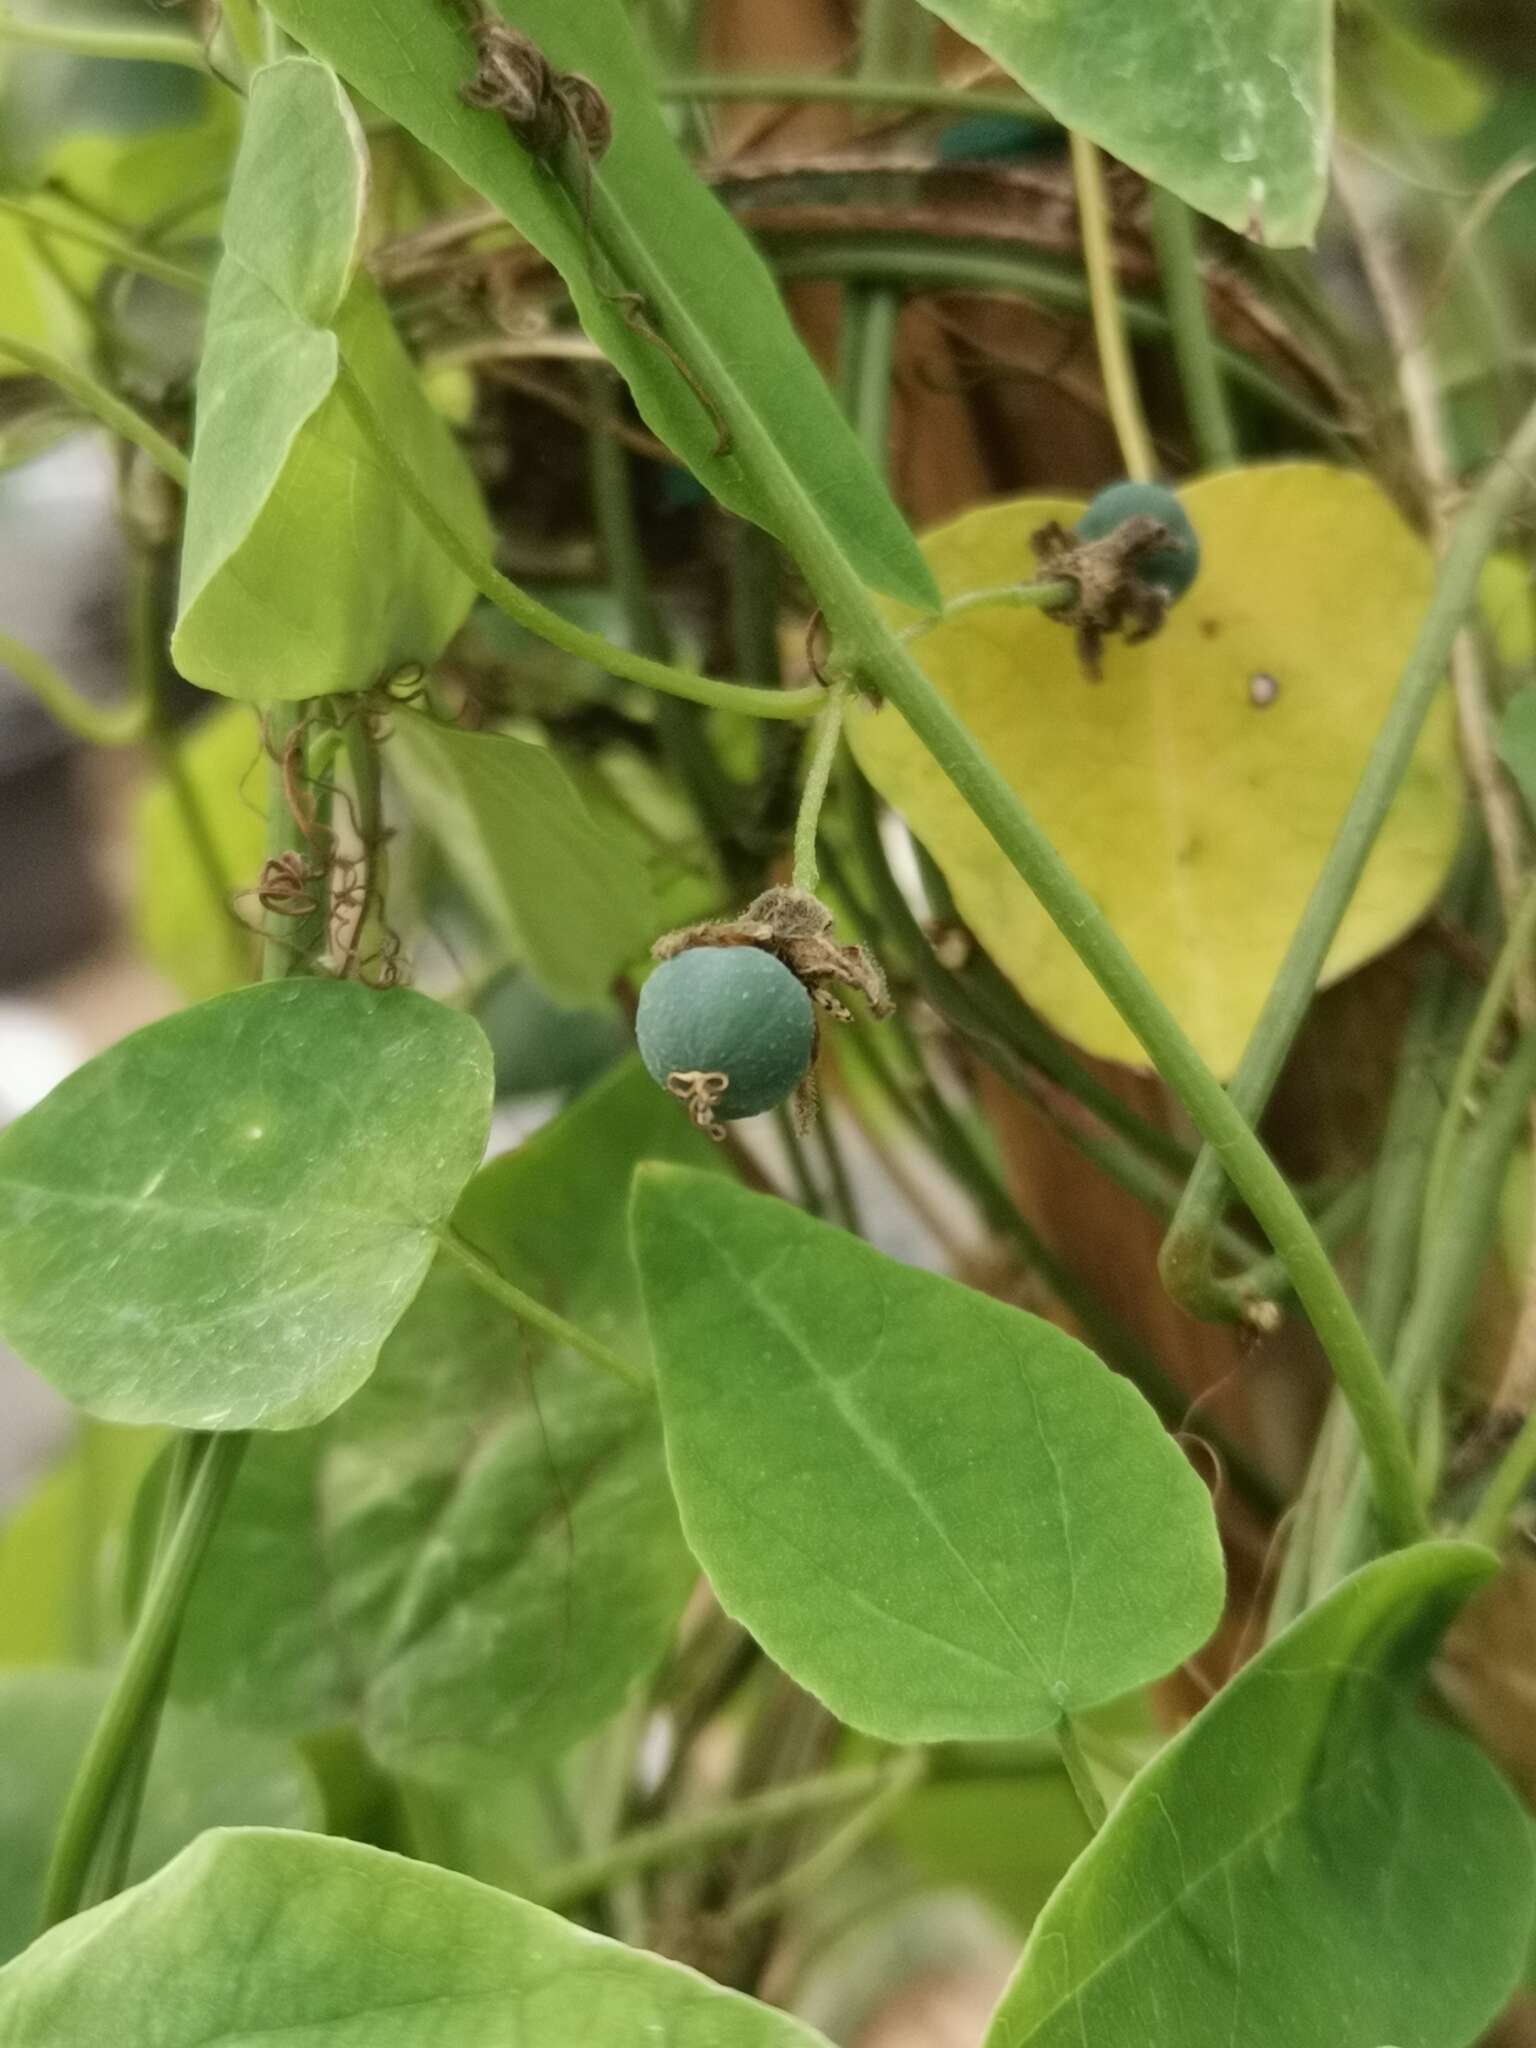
(762, 409)
(1231, 106)
(942, 1516)
(217, 1222)
(253, 1936)
(302, 573)
(566, 896)
(477, 1557)
(1309, 1861)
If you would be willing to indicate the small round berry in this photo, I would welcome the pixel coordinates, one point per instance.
(731, 1010)
(1171, 569)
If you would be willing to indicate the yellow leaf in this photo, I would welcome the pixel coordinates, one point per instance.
(1196, 790)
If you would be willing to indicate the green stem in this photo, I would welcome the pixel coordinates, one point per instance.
(921, 262)
(109, 1868)
(871, 315)
(1115, 365)
(1080, 1772)
(1186, 1254)
(120, 726)
(139, 1677)
(839, 1180)
(680, 727)
(799, 1165)
(528, 1310)
(829, 732)
(1448, 1281)
(679, 1841)
(1325, 1526)
(1442, 1303)
(1205, 397)
(1504, 1491)
(824, 1862)
(897, 40)
(136, 45)
(92, 234)
(94, 397)
(370, 936)
(539, 619)
(242, 18)
(998, 1025)
(1514, 959)
(1042, 596)
(792, 88)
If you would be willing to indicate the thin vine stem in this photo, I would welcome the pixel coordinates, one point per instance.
(1194, 350)
(818, 775)
(242, 18)
(841, 1846)
(528, 1310)
(1186, 1255)
(1443, 1299)
(871, 316)
(369, 937)
(118, 725)
(1115, 365)
(538, 618)
(289, 944)
(1042, 596)
(92, 234)
(134, 45)
(108, 1872)
(679, 1841)
(790, 88)
(920, 262)
(93, 397)
(138, 1678)
(1504, 1491)
(1514, 956)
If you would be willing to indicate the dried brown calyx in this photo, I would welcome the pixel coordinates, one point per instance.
(796, 927)
(1111, 596)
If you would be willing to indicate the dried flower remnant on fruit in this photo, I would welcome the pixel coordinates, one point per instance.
(1130, 557)
(796, 927)
(792, 929)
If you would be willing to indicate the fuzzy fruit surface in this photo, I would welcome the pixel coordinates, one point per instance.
(731, 1010)
(1171, 569)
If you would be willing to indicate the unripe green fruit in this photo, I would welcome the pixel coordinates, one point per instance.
(732, 1010)
(1171, 569)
